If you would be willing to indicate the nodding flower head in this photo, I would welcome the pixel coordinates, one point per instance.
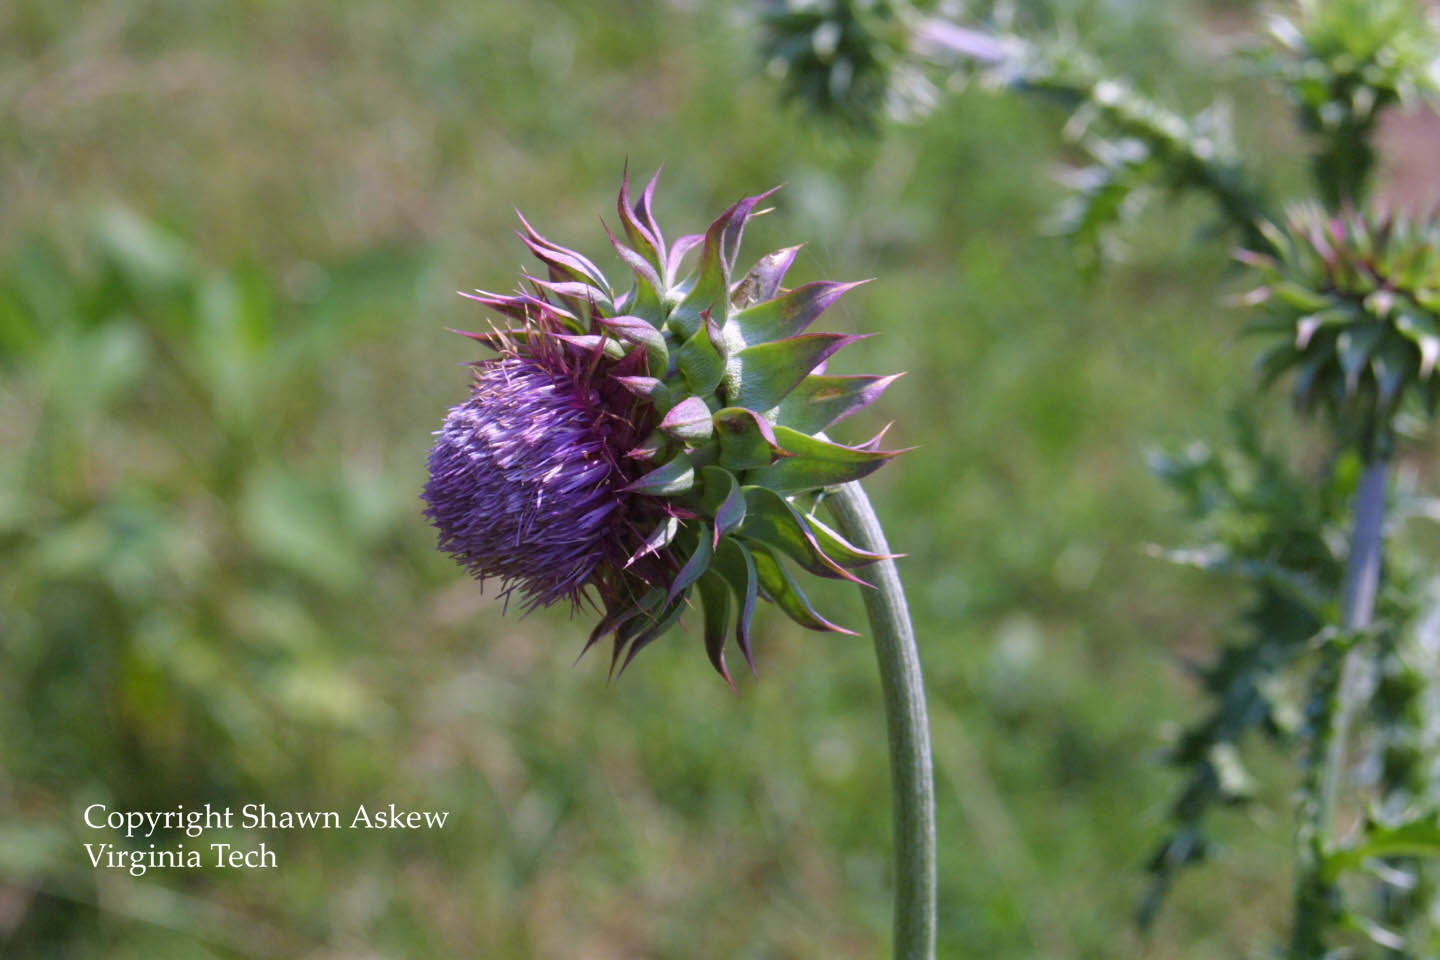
(1354, 302)
(640, 449)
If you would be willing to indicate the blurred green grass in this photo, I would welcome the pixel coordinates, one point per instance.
(228, 247)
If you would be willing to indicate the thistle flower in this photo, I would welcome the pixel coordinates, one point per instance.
(635, 450)
(1355, 298)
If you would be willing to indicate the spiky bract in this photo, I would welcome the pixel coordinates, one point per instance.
(1355, 298)
(637, 449)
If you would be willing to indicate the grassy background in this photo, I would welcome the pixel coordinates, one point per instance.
(229, 239)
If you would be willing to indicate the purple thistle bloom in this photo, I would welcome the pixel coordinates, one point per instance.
(641, 450)
(524, 480)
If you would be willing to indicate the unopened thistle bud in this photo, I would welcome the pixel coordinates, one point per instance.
(644, 448)
(1354, 299)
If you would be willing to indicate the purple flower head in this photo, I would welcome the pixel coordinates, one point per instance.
(523, 480)
(645, 448)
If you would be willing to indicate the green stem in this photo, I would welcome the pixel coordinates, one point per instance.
(1337, 687)
(1362, 583)
(912, 779)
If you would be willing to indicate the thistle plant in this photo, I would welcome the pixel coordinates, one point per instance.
(631, 452)
(1351, 301)
(1348, 300)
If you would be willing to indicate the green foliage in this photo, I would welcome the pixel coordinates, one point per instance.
(1280, 536)
(835, 56)
(1345, 62)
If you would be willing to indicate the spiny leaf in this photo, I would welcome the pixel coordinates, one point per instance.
(711, 288)
(715, 596)
(1355, 345)
(658, 539)
(677, 254)
(759, 377)
(764, 279)
(1423, 329)
(781, 588)
(689, 420)
(788, 315)
(1392, 364)
(771, 520)
(733, 562)
(821, 400)
(839, 549)
(696, 564)
(1306, 326)
(614, 620)
(644, 236)
(564, 264)
(525, 308)
(646, 299)
(640, 331)
(746, 439)
(648, 387)
(594, 342)
(674, 477)
(699, 359)
(649, 634)
(722, 499)
(816, 463)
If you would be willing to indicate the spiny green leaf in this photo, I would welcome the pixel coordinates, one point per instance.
(1393, 362)
(839, 549)
(769, 519)
(787, 315)
(658, 539)
(638, 330)
(733, 562)
(722, 499)
(759, 377)
(650, 388)
(782, 589)
(746, 439)
(821, 400)
(689, 420)
(696, 564)
(1306, 326)
(700, 361)
(615, 619)
(674, 477)
(816, 463)
(1423, 329)
(646, 300)
(764, 279)
(644, 236)
(652, 632)
(563, 263)
(1301, 298)
(715, 596)
(1355, 345)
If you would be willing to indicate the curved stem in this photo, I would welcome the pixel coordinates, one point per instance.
(912, 779)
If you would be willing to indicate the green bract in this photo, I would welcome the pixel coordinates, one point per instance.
(1354, 299)
(709, 401)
